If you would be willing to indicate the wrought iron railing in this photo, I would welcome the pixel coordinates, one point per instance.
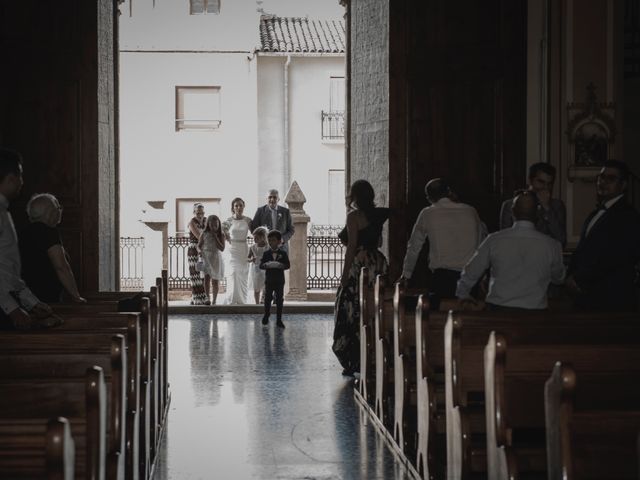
(324, 230)
(332, 125)
(131, 263)
(179, 277)
(325, 257)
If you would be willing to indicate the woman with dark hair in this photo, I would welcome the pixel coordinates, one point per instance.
(211, 246)
(362, 236)
(196, 227)
(236, 230)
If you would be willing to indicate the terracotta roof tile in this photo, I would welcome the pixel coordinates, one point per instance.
(301, 35)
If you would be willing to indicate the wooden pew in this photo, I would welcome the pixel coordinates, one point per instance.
(155, 354)
(64, 357)
(157, 349)
(46, 452)
(465, 337)
(60, 450)
(429, 359)
(405, 368)
(166, 396)
(591, 436)
(383, 406)
(515, 376)
(138, 330)
(25, 409)
(84, 320)
(367, 385)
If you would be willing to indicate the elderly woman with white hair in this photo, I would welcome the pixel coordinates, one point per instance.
(45, 265)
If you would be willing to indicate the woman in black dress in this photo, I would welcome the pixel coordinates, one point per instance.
(362, 235)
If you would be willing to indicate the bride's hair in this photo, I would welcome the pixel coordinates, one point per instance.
(233, 202)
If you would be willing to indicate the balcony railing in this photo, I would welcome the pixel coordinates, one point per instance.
(131, 263)
(332, 125)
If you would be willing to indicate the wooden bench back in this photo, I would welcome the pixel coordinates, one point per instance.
(367, 331)
(515, 373)
(59, 356)
(383, 297)
(466, 334)
(579, 439)
(405, 373)
(25, 403)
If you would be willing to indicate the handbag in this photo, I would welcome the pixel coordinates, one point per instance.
(200, 264)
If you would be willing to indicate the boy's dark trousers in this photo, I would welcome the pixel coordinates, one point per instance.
(273, 291)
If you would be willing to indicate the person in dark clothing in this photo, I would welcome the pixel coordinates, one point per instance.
(601, 272)
(19, 307)
(45, 266)
(275, 261)
(363, 237)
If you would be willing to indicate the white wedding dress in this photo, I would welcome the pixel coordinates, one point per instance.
(238, 272)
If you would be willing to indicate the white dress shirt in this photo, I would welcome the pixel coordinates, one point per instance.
(522, 260)
(454, 230)
(10, 280)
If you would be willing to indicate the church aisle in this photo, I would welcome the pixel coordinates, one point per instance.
(250, 402)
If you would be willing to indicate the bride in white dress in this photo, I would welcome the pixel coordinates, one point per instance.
(236, 229)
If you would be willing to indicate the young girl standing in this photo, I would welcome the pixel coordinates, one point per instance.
(255, 254)
(211, 245)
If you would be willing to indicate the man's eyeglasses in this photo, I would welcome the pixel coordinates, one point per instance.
(603, 177)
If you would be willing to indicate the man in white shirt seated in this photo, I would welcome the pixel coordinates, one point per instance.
(454, 231)
(522, 263)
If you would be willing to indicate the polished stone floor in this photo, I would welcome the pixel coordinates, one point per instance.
(254, 402)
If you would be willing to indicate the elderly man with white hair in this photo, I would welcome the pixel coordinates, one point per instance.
(274, 217)
(45, 265)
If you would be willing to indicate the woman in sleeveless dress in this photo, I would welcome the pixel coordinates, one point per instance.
(236, 229)
(362, 235)
(211, 245)
(196, 227)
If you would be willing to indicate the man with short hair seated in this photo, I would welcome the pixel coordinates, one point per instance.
(19, 307)
(522, 263)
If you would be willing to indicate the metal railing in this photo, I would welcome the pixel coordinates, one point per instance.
(179, 277)
(325, 230)
(131, 263)
(325, 257)
(332, 125)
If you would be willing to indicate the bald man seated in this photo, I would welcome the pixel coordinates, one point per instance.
(522, 263)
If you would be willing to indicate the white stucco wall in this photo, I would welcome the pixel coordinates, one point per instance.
(310, 157)
(163, 47)
(159, 163)
(169, 26)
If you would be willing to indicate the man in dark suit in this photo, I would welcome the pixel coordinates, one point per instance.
(274, 217)
(602, 268)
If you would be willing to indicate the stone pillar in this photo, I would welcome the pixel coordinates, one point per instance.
(295, 199)
(156, 219)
